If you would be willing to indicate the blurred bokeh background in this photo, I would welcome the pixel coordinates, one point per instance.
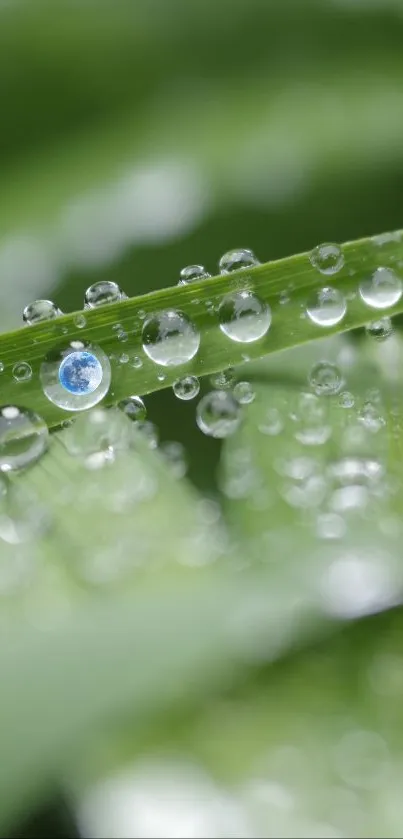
(139, 136)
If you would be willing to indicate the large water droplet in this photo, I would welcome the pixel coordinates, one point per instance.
(186, 388)
(327, 258)
(218, 414)
(40, 310)
(382, 290)
(76, 376)
(23, 437)
(326, 307)
(170, 338)
(101, 293)
(22, 371)
(134, 408)
(325, 379)
(193, 273)
(380, 329)
(244, 317)
(236, 259)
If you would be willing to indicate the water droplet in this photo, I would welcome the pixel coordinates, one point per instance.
(136, 362)
(76, 376)
(80, 321)
(326, 307)
(124, 358)
(161, 377)
(218, 414)
(22, 371)
(327, 258)
(149, 431)
(175, 456)
(272, 423)
(311, 416)
(186, 388)
(346, 399)
(134, 408)
(244, 317)
(371, 418)
(236, 259)
(224, 379)
(170, 338)
(122, 336)
(1, 367)
(23, 437)
(325, 379)
(382, 290)
(193, 273)
(380, 329)
(102, 292)
(39, 311)
(244, 393)
(98, 431)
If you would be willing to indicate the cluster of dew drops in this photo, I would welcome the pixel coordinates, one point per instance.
(77, 375)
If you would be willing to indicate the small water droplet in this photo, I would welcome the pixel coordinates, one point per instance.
(244, 317)
(382, 290)
(122, 336)
(224, 379)
(1, 367)
(175, 456)
(98, 431)
(149, 432)
(272, 423)
(101, 293)
(76, 376)
(141, 314)
(134, 408)
(380, 329)
(371, 418)
(218, 414)
(193, 273)
(161, 377)
(326, 307)
(39, 311)
(80, 321)
(311, 417)
(325, 379)
(170, 338)
(136, 362)
(22, 371)
(124, 358)
(327, 258)
(244, 393)
(346, 399)
(236, 259)
(186, 388)
(24, 437)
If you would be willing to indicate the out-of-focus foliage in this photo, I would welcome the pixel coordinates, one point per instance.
(138, 137)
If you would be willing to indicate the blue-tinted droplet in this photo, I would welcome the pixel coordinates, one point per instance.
(80, 372)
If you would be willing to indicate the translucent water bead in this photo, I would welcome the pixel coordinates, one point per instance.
(24, 437)
(325, 379)
(39, 311)
(326, 307)
(218, 414)
(236, 259)
(327, 258)
(134, 408)
(186, 388)
(101, 293)
(76, 376)
(193, 273)
(382, 290)
(170, 338)
(380, 329)
(244, 317)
